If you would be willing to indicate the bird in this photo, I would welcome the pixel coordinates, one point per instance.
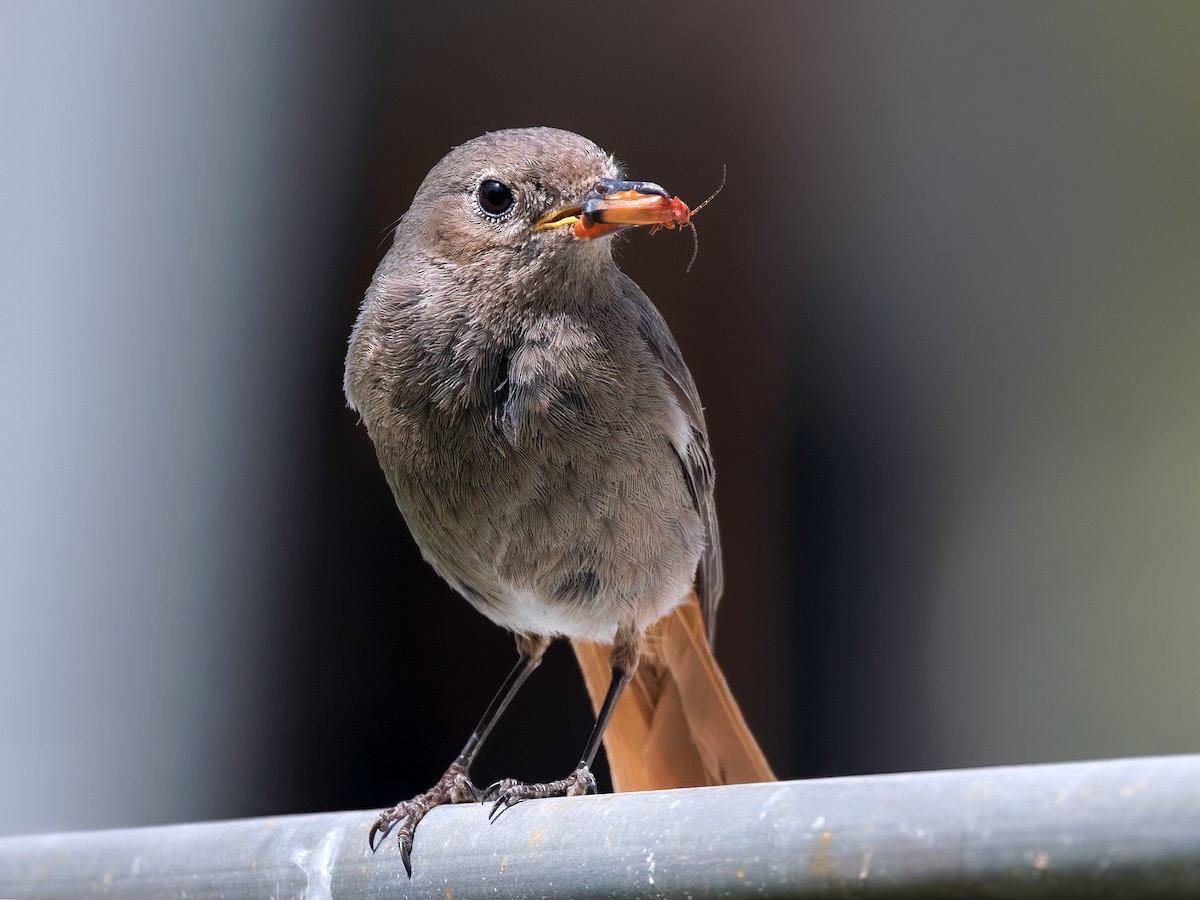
(545, 443)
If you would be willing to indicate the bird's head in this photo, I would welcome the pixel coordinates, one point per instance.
(519, 202)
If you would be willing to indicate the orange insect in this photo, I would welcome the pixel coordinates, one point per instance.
(612, 204)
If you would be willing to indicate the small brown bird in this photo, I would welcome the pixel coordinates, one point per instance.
(546, 445)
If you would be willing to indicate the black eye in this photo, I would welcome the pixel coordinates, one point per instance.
(495, 198)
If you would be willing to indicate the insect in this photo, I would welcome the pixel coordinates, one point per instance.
(639, 203)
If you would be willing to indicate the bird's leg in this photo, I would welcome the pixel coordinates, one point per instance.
(455, 786)
(627, 649)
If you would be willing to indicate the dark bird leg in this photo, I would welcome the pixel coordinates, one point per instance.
(455, 786)
(627, 649)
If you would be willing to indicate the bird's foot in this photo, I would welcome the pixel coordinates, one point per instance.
(509, 791)
(453, 787)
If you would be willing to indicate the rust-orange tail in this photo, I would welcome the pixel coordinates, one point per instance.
(677, 724)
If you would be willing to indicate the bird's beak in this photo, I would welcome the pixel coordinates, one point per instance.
(611, 205)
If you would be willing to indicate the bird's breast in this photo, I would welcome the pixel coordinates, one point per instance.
(556, 494)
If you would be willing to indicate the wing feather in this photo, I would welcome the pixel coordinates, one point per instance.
(696, 458)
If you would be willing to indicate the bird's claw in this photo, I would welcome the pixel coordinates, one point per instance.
(509, 792)
(453, 787)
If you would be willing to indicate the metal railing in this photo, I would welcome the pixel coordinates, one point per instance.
(1125, 827)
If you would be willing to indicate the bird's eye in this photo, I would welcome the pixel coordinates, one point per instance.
(495, 198)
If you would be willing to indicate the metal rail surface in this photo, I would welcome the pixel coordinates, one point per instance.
(1112, 828)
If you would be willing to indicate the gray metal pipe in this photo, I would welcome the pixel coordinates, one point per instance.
(1124, 827)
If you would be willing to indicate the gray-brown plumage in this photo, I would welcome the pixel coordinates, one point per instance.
(535, 420)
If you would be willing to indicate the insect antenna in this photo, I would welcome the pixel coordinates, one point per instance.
(692, 225)
(713, 195)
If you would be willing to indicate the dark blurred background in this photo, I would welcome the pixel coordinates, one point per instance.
(945, 320)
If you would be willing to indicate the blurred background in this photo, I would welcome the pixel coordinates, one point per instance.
(945, 320)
